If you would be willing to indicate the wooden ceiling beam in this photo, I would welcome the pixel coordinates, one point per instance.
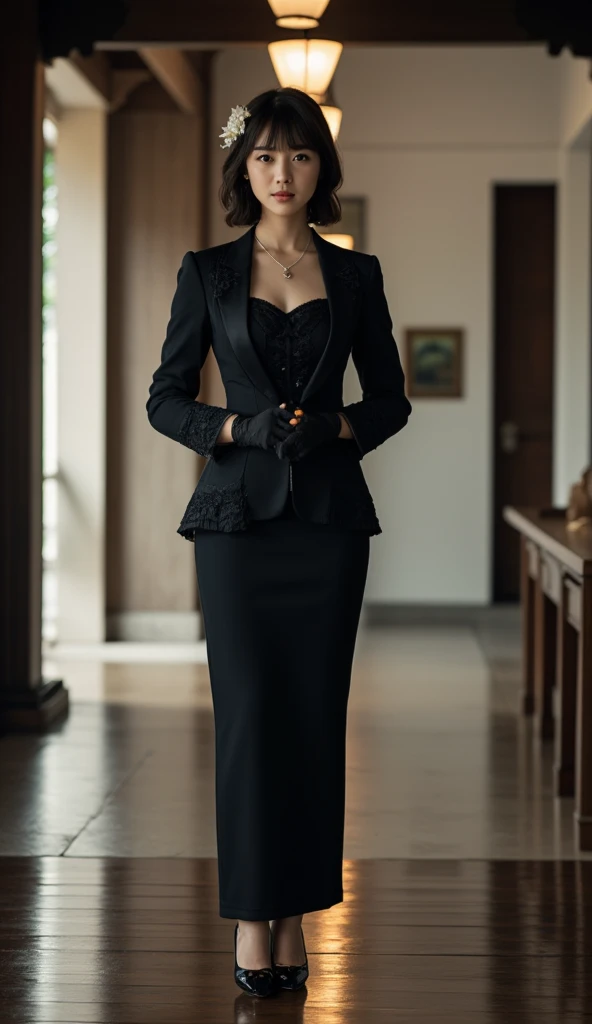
(187, 24)
(115, 85)
(125, 82)
(97, 71)
(177, 75)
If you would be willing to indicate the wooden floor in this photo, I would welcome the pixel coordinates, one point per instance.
(139, 941)
(464, 899)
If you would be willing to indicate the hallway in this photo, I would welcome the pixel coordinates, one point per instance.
(457, 907)
(442, 154)
(440, 763)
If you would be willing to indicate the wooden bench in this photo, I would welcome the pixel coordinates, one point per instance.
(556, 595)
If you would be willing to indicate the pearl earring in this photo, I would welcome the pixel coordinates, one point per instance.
(246, 176)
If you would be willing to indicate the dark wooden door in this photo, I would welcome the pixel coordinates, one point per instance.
(524, 303)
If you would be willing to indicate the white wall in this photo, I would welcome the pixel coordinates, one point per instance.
(426, 134)
(81, 232)
(575, 98)
(572, 364)
(572, 382)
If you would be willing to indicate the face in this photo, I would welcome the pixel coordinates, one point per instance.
(294, 172)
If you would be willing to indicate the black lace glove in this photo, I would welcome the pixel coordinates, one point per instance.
(264, 430)
(314, 428)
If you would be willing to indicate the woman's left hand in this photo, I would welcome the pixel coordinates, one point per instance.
(312, 430)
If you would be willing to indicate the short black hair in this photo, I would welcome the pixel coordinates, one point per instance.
(290, 115)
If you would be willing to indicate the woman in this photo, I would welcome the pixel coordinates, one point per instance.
(281, 517)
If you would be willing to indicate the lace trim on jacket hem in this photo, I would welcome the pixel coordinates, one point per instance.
(222, 508)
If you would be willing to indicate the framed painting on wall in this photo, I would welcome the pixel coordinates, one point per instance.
(434, 362)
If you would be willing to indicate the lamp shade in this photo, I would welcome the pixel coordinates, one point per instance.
(333, 117)
(306, 64)
(344, 241)
(297, 13)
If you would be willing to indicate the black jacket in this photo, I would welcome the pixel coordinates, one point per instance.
(210, 308)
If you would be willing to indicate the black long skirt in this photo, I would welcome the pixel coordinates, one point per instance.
(281, 603)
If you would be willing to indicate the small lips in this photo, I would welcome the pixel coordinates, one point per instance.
(282, 193)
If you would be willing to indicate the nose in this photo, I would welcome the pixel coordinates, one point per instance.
(283, 173)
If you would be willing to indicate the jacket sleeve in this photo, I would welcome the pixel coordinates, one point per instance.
(384, 409)
(172, 407)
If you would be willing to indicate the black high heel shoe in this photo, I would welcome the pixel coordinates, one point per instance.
(256, 983)
(287, 975)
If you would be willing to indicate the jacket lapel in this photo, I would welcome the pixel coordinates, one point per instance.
(342, 286)
(231, 284)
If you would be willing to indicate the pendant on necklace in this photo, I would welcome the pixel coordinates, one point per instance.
(287, 273)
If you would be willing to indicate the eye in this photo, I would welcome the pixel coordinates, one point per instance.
(265, 157)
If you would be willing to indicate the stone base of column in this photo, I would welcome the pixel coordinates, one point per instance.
(33, 710)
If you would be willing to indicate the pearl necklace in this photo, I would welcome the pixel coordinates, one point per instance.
(286, 270)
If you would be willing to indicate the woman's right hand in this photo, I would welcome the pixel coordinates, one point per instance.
(264, 430)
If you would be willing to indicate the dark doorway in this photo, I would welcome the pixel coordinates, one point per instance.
(524, 309)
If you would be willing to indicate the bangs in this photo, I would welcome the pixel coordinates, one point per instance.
(288, 127)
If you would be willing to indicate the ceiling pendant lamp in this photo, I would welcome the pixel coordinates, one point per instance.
(298, 13)
(344, 241)
(307, 64)
(333, 117)
(332, 112)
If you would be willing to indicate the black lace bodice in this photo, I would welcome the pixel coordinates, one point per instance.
(289, 345)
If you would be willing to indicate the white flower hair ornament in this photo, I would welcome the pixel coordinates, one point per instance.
(234, 127)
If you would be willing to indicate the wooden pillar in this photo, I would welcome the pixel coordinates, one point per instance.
(156, 189)
(26, 699)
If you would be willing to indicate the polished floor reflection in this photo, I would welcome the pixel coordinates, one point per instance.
(120, 941)
(466, 900)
